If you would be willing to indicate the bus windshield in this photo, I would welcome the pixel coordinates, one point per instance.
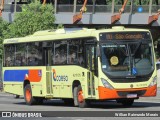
(124, 59)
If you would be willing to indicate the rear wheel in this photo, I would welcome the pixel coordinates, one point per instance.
(30, 100)
(79, 99)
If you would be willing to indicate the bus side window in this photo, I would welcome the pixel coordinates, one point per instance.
(81, 59)
(81, 53)
(20, 54)
(72, 55)
(8, 62)
(61, 52)
(9, 55)
(34, 55)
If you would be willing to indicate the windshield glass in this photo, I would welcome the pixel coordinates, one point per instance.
(127, 58)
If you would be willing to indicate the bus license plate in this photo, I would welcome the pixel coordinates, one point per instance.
(131, 95)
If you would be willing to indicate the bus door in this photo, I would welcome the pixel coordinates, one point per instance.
(90, 64)
(47, 63)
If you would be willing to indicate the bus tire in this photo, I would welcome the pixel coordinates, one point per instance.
(75, 98)
(29, 99)
(82, 103)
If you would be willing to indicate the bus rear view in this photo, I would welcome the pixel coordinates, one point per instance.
(127, 66)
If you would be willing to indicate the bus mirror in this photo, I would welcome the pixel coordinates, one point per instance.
(98, 51)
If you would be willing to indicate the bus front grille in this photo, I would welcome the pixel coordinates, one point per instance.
(125, 93)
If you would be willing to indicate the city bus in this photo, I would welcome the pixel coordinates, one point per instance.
(81, 65)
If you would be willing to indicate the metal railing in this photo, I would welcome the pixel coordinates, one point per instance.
(145, 8)
(11, 8)
(155, 8)
(117, 7)
(65, 8)
(103, 8)
(90, 8)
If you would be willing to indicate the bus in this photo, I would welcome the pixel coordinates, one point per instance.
(81, 65)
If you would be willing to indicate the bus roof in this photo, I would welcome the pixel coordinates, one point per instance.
(67, 33)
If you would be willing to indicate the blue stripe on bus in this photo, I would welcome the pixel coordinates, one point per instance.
(15, 75)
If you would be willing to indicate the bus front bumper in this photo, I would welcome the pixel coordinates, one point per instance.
(105, 93)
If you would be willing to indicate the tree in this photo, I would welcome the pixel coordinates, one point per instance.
(34, 17)
(3, 26)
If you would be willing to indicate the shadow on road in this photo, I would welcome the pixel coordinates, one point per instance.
(98, 105)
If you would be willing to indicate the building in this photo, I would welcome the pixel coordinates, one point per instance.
(137, 13)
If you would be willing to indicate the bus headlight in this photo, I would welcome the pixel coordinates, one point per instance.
(106, 84)
(154, 82)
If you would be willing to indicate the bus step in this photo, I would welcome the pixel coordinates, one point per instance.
(49, 96)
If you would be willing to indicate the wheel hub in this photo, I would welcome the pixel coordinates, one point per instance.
(28, 95)
(80, 96)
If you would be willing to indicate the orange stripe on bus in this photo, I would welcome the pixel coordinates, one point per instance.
(151, 91)
(34, 76)
(105, 93)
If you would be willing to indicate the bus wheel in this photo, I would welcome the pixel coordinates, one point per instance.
(30, 100)
(75, 99)
(79, 98)
(127, 102)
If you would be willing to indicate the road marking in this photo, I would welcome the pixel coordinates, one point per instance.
(78, 119)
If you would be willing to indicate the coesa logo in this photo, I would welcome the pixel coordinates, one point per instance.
(54, 75)
(59, 77)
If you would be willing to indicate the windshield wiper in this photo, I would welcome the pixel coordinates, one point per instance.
(133, 70)
(137, 47)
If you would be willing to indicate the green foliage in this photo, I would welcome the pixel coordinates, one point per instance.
(34, 17)
(3, 26)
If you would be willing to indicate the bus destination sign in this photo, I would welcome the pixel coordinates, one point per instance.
(125, 36)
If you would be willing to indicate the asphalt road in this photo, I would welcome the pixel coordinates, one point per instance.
(143, 105)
